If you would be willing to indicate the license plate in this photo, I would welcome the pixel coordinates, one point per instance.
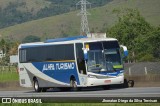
(107, 81)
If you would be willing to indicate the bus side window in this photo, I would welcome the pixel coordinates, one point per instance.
(80, 58)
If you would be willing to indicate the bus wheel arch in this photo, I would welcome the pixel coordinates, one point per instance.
(73, 83)
(34, 78)
(72, 77)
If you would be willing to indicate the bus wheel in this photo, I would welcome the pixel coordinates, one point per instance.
(130, 83)
(125, 84)
(73, 85)
(36, 86)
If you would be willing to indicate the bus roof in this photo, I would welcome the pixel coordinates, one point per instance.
(68, 40)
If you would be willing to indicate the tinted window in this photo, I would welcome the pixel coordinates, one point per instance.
(22, 55)
(48, 53)
(103, 45)
(95, 46)
(110, 44)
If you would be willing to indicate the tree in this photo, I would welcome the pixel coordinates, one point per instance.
(154, 41)
(3, 45)
(12, 15)
(14, 49)
(132, 30)
(31, 38)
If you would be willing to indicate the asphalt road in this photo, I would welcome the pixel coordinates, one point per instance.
(126, 92)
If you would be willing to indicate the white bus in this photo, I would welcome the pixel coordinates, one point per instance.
(72, 62)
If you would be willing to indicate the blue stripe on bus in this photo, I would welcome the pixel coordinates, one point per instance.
(65, 39)
(60, 71)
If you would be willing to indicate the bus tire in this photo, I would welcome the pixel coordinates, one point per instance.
(73, 85)
(131, 83)
(125, 84)
(36, 86)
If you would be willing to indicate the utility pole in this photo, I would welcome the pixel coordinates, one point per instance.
(84, 21)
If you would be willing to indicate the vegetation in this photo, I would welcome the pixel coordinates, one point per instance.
(9, 48)
(138, 35)
(8, 76)
(69, 23)
(19, 11)
(31, 38)
(132, 27)
(8, 73)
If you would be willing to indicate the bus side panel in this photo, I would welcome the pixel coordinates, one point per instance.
(43, 82)
(60, 71)
(50, 78)
(24, 78)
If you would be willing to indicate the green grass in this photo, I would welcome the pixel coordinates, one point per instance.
(7, 75)
(86, 104)
(69, 23)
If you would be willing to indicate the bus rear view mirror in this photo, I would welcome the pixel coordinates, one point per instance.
(85, 51)
(125, 51)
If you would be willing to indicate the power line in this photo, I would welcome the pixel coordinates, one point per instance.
(83, 13)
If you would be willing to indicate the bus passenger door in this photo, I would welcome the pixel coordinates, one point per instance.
(81, 64)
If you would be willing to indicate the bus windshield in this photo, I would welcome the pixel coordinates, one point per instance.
(112, 56)
(102, 56)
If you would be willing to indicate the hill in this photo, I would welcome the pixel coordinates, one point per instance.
(14, 12)
(69, 23)
(28, 5)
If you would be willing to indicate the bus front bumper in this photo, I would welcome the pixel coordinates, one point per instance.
(106, 81)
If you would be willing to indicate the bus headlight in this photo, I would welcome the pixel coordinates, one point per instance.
(91, 76)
